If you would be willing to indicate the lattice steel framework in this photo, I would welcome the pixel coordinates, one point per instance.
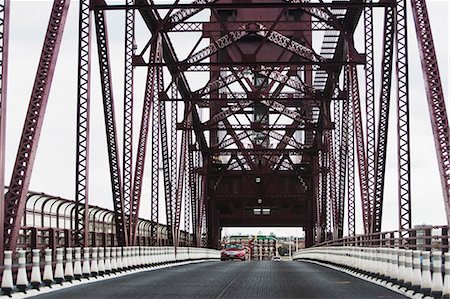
(4, 41)
(435, 96)
(370, 103)
(383, 120)
(20, 180)
(127, 177)
(256, 140)
(83, 121)
(110, 126)
(401, 38)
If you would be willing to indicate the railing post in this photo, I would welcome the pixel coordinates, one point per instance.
(413, 240)
(444, 240)
(34, 238)
(428, 239)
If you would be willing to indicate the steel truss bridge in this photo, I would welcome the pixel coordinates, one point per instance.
(252, 125)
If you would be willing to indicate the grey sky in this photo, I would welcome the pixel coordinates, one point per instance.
(54, 168)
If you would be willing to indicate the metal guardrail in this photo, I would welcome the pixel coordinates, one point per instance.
(23, 269)
(424, 237)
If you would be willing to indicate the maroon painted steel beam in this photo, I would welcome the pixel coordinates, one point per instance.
(157, 55)
(403, 155)
(110, 127)
(26, 154)
(127, 176)
(241, 5)
(83, 127)
(166, 165)
(176, 200)
(351, 159)
(282, 26)
(360, 148)
(151, 93)
(370, 102)
(435, 96)
(4, 46)
(183, 14)
(180, 187)
(150, 18)
(343, 160)
(383, 119)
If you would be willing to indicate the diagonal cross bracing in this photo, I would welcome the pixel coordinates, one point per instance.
(435, 96)
(20, 179)
(110, 127)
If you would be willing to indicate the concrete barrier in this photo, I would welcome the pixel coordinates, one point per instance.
(36, 269)
(102, 261)
(77, 270)
(22, 279)
(7, 277)
(59, 269)
(404, 268)
(437, 282)
(48, 271)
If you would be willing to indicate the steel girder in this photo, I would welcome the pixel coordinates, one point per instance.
(20, 180)
(360, 146)
(223, 120)
(370, 102)
(383, 119)
(150, 110)
(4, 46)
(127, 177)
(435, 96)
(403, 155)
(177, 190)
(15, 198)
(156, 106)
(83, 122)
(110, 127)
(351, 157)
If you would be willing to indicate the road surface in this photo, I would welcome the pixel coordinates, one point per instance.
(231, 280)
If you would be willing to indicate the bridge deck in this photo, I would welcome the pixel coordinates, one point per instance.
(231, 280)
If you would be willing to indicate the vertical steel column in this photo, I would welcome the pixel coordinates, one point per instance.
(180, 187)
(370, 103)
(83, 120)
(360, 145)
(343, 166)
(435, 96)
(4, 42)
(151, 94)
(351, 160)
(324, 194)
(173, 160)
(166, 162)
(128, 120)
(193, 188)
(188, 190)
(26, 154)
(383, 122)
(110, 127)
(404, 195)
(155, 145)
(335, 139)
(332, 212)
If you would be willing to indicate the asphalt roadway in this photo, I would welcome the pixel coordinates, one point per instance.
(231, 280)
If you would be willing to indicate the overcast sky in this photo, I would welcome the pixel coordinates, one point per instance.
(55, 163)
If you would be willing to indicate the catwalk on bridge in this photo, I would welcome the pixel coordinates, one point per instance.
(231, 280)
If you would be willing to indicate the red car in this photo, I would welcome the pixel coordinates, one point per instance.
(232, 251)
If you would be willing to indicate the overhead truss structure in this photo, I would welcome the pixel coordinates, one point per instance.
(253, 112)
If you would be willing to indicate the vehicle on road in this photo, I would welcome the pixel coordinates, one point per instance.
(276, 259)
(232, 251)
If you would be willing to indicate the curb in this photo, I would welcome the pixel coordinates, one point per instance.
(388, 285)
(56, 287)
